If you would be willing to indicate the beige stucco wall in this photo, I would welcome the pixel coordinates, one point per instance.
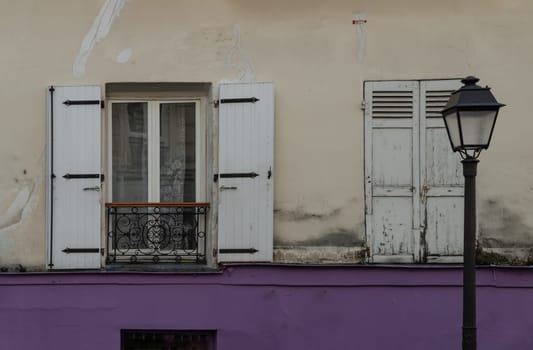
(310, 50)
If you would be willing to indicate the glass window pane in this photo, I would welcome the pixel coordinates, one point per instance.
(476, 127)
(130, 152)
(453, 129)
(177, 152)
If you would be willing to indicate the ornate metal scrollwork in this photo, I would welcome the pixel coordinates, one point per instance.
(152, 233)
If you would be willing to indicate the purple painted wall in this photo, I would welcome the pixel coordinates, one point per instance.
(269, 307)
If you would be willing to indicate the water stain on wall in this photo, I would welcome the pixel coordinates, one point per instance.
(301, 214)
(319, 225)
(500, 227)
(341, 237)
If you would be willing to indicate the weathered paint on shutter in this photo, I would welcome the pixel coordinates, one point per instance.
(392, 170)
(441, 177)
(246, 145)
(74, 201)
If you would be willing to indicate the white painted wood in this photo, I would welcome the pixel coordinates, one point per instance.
(246, 144)
(392, 230)
(391, 170)
(153, 152)
(392, 123)
(75, 204)
(410, 154)
(441, 176)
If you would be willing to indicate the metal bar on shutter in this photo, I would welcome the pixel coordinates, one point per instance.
(238, 251)
(84, 176)
(83, 102)
(239, 100)
(52, 176)
(68, 250)
(236, 175)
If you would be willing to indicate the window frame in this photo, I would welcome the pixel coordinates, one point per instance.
(153, 142)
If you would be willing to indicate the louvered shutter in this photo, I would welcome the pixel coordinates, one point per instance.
(392, 170)
(246, 168)
(74, 185)
(441, 177)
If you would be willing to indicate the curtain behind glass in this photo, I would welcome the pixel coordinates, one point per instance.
(177, 152)
(130, 152)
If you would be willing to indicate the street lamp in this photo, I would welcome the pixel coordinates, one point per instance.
(470, 116)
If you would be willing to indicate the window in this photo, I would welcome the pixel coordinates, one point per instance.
(414, 183)
(156, 158)
(161, 173)
(167, 339)
(156, 151)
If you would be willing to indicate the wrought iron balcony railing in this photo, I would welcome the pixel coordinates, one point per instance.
(156, 233)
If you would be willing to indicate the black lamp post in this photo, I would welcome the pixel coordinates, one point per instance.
(470, 116)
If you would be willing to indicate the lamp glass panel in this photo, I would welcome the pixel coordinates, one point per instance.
(453, 129)
(476, 127)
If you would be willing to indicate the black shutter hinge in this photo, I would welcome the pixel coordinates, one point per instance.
(84, 102)
(238, 251)
(234, 175)
(68, 250)
(84, 176)
(237, 100)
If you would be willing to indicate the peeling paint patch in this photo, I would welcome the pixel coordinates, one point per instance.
(238, 58)
(22, 201)
(124, 55)
(98, 31)
(13, 214)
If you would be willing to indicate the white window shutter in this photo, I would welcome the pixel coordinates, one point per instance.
(246, 172)
(74, 197)
(441, 177)
(391, 171)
